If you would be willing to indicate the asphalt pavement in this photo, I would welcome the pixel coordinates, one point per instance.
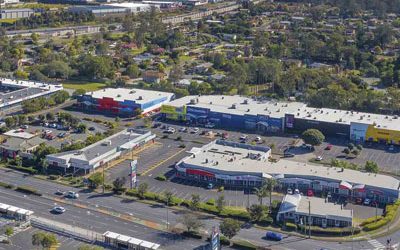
(156, 213)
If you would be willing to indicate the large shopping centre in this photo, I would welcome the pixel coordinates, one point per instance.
(264, 116)
(241, 165)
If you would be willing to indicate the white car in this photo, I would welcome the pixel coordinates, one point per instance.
(296, 191)
(289, 191)
(183, 129)
(209, 125)
(195, 130)
(319, 158)
(258, 139)
(367, 201)
(72, 194)
(58, 210)
(243, 137)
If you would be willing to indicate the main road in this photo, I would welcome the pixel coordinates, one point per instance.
(90, 219)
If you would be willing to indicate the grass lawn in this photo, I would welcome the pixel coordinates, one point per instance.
(88, 86)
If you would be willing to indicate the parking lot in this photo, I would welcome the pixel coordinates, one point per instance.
(386, 159)
(23, 240)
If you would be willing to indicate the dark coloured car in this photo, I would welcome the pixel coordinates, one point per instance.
(274, 236)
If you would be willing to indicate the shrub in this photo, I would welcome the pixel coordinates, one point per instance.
(192, 234)
(371, 220)
(161, 178)
(54, 177)
(221, 189)
(290, 226)
(243, 245)
(333, 231)
(235, 213)
(27, 190)
(29, 170)
(132, 192)
(376, 225)
(208, 208)
(224, 241)
(6, 185)
(211, 202)
(151, 196)
(266, 221)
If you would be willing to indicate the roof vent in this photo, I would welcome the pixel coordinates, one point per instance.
(233, 106)
(140, 97)
(132, 92)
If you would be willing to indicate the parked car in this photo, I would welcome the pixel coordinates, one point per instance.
(391, 148)
(24, 126)
(209, 125)
(243, 137)
(319, 158)
(289, 191)
(59, 192)
(156, 125)
(183, 129)
(286, 155)
(296, 191)
(92, 129)
(329, 147)
(225, 135)
(61, 135)
(58, 210)
(258, 139)
(367, 202)
(170, 130)
(72, 195)
(195, 130)
(210, 186)
(273, 236)
(359, 200)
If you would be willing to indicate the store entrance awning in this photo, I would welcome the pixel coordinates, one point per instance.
(345, 185)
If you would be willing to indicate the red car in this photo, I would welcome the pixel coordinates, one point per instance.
(359, 200)
(329, 147)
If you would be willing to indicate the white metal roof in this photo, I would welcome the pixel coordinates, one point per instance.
(139, 96)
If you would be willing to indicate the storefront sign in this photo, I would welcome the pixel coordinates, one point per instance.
(289, 121)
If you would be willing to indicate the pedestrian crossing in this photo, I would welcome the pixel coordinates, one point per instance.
(380, 246)
(376, 244)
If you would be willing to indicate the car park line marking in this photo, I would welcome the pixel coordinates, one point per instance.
(162, 161)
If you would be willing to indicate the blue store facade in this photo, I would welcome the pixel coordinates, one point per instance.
(261, 123)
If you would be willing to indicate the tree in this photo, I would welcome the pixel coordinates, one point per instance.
(9, 231)
(355, 152)
(313, 137)
(82, 127)
(118, 184)
(270, 185)
(195, 201)
(350, 146)
(96, 179)
(261, 193)
(220, 202)
(168, 197)
(147, 122)
(10, 121)
(191, 222)
(142, 189)
(133, 71)
(371, 167)
(346, 151)
(229, 227)
(79, 92)
(359, 147)
(257, 212)
(50, 116)
(49, 240)
(37, 238)
(35, 38)
(46, 240)
(176, 73)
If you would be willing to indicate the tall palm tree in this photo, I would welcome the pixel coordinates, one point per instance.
(270, 185)
(261, 193)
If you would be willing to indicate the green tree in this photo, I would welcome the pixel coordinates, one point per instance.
(191, 222)
(355, 152)
(261, 193)
(49, 240)
(10, 121)
(257, 212)
(371, 167)
(176, 73)
(133, 71)
(220, 203)
(79, 92)
(142, 189)
(195, 201)
(96, 179)
(82, 127)
(313, 137)
(270, 186)
(9, 231)
(229, 227)
(168, 195)
(118, 184)
(37, 239)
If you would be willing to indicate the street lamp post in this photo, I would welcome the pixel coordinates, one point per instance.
(309, 219)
